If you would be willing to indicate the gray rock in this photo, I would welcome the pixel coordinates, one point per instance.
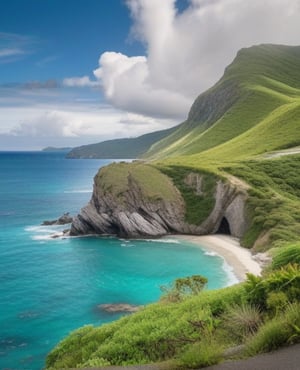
(119, 307)
(62, 220)
(133, 215)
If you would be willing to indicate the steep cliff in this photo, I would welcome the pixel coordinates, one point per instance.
(138, 200)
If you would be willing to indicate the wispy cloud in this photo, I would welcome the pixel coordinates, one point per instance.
(15, 46)
(4, 53)
(84, 81)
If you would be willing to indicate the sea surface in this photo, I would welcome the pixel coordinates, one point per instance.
(49, 287)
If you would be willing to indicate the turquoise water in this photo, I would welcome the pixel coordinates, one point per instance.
(48, 287)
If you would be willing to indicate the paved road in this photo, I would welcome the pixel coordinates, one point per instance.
(284, 359)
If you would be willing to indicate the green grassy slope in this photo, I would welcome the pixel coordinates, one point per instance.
(260, 87)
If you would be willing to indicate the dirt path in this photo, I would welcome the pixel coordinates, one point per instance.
(282, 153)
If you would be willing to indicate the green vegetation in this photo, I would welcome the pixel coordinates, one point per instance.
(194, 331)
(283, 329)
(119, 178)
(258, 95)
(182, 287)
(229, 134)
(274, 200)
(198, 194)
(283, 256)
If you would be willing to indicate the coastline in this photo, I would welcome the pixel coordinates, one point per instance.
(238, 258)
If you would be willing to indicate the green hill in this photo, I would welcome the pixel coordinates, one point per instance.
(127, 148)
(237, 133)
(255, 104)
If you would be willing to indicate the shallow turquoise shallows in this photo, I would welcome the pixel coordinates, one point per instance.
(49, 287)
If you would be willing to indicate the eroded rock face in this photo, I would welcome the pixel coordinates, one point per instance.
(131, 211)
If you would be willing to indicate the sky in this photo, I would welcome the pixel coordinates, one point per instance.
(74, 72)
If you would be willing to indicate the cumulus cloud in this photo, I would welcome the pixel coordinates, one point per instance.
(186, 52)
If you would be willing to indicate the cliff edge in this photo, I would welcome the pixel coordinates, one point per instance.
(138, 200)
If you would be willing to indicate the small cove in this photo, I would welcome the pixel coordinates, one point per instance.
(52, 286)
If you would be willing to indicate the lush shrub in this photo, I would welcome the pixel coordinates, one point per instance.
(286, 279)
(276, 302)
(205, 353)
(242, 320)
(286, 255)
(274, 334)
(183, 287)
(282, 330)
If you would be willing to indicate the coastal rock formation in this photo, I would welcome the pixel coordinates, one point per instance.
(62, 220)
(137, 200)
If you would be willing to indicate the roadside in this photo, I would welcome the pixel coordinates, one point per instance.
(287, 358)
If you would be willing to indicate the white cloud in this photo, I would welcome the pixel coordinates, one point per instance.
(188, 51)
(80, 82)
(69, 124)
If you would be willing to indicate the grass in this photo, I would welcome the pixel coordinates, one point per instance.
(283, 256)
(281, 330)
(258, 95)
(199, 204)
(117, 179)
(191, 333)
(274, 201)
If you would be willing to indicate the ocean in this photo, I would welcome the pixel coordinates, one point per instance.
(49, 287)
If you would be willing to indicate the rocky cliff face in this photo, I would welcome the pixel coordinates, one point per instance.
(144, 202)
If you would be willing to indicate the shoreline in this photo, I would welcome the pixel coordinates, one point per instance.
(238, 258)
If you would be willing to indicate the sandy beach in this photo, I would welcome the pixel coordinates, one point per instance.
(240, 259)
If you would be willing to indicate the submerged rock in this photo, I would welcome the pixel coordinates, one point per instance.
(119, 307)
(62, 220)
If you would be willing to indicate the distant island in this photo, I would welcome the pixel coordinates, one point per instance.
(54, 149)
(126, 148)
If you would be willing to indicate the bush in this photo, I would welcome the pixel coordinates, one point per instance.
(205, 353)
(276, 302)
(284, 256)
(272, 335)
(183, 287)
(285, 279)
(242, 320)
(282, 330)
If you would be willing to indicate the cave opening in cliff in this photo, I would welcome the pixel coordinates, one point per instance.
(224, 227)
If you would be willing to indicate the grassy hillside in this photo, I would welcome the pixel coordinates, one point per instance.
(253, 110)
(119, 148)
(259, 94)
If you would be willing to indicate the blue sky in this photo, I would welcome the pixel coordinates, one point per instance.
(49, 33)
(74, 72)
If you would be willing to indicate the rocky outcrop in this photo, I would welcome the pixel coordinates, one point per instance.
(132, 210)
(62, 220)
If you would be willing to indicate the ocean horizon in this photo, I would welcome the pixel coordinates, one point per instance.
(50, 287)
